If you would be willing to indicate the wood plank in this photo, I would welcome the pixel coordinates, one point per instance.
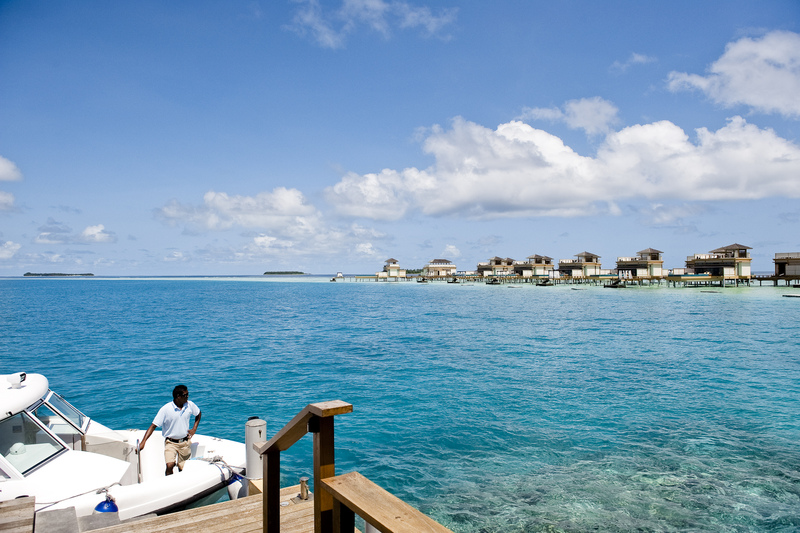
(378, 507)
(16, 516)
(238, 516)
(332, 408)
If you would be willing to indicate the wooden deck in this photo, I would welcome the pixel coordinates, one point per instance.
(16, 516)
(239, 516)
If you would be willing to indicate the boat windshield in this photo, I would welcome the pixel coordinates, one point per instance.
(58, 425)
(24, 443)
(66, 409)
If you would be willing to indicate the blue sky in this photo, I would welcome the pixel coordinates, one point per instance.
(152, 138)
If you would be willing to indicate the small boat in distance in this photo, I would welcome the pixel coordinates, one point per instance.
(54, 452)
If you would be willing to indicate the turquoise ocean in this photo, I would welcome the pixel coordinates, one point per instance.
(489, 408)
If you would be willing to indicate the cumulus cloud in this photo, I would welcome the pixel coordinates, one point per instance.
(517, 170)
(593, 115)
(634, 59)
(97, 234)
(8, 170)
(761, 73)
(331, 29)
(9, 249)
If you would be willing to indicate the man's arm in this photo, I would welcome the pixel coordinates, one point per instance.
(196, 423)
(147, 436)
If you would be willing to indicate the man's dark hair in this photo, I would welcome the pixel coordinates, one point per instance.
(180, 390)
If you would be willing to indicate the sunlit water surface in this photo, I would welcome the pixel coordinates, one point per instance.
(490, 409)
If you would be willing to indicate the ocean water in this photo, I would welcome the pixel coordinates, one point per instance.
(489, 408)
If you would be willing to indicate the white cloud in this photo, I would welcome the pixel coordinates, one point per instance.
(9, 249)
(97, 234)
(450, 251)
(517, 170)
(287, 226)
(8, 170)
(331, 30)
(283, 210)
(176, 257)
(669, 215)
(593, 115)
(761, 73)
(367, 249)
(634, 59)
(55, 232)
(6, 201)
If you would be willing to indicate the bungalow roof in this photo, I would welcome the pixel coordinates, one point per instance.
(650, 251)
(730, 247)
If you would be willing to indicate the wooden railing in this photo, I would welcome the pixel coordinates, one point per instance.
(316, 418)
(336, 498)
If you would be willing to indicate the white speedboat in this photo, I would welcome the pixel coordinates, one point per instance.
(50, 450)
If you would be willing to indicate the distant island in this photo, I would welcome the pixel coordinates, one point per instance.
(284, 273)
(54, 274)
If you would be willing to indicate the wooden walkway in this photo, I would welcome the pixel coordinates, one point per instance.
(239, 516)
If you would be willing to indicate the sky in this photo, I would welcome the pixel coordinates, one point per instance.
(238, 137)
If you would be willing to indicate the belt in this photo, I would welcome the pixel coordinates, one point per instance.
(176, 441)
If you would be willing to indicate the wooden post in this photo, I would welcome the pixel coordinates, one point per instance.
(344, 519)
(323, 468)
(272, 492)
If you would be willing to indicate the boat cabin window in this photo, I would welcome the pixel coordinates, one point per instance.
(65, 408)
(58, 425)
(24, 443)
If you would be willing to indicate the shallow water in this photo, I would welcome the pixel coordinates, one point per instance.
(492, 410)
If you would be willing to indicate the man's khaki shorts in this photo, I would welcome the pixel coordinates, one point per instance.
(177, 453)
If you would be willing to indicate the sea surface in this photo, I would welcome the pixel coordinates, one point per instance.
(490, 408)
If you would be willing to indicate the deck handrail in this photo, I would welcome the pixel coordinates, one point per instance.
(354, 494)
(316, 418)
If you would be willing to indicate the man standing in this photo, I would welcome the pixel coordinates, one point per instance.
(174, 421)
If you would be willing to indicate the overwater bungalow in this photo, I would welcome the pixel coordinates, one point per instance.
(647, 265)
(439, 268)
(391, 270)
(536, 266)
(496, 266)
(730, 262)
(586, 265)
(787, 265)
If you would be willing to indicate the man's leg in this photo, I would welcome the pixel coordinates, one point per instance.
(183, 453)
(170, 456)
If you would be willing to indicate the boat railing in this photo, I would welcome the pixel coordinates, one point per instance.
(336, 498)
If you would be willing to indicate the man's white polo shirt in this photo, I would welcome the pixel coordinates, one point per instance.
(174, 422)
